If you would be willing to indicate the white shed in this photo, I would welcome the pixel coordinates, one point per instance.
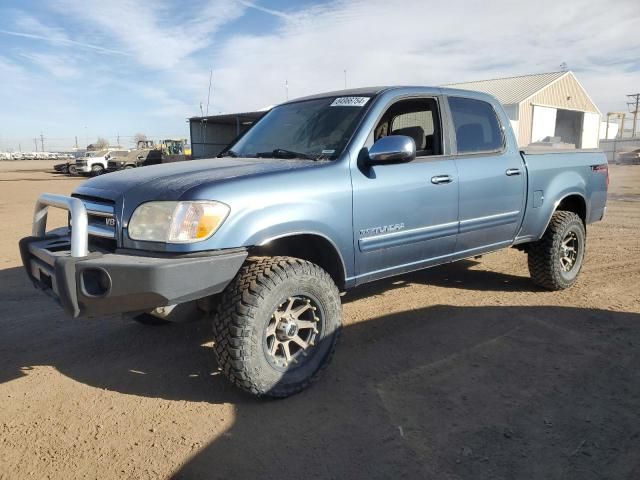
(551, 107)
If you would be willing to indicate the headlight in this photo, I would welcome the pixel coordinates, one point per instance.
(177, 222)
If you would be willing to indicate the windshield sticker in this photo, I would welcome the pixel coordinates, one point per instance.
(328, 152)
(350, 102)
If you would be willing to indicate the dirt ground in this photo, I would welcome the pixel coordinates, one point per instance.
(459, 372)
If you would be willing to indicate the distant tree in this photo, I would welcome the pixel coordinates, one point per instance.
(101, 143)
(139, 137)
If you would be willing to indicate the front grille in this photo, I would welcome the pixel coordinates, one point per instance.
(102, 221)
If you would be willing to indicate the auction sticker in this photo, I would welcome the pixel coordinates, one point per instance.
(350, 102)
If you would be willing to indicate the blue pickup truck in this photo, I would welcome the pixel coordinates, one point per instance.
(321, 195)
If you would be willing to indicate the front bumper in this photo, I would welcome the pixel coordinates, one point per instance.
(89, 283)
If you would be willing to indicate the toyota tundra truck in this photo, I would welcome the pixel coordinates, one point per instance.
(323, 194)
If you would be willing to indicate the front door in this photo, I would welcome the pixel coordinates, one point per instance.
(406, 214)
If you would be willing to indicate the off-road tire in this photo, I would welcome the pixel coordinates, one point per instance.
(245, 310)
(72, 170)
(544, 255)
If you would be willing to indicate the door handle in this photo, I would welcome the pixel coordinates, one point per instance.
(440, 179)
(512, 171)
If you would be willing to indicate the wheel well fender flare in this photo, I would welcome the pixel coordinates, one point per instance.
(341, 275)
(559, 202)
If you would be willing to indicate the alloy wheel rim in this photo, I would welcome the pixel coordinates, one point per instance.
(569, 249)
(292, 332)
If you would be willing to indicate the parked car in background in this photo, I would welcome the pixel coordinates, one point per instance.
(323, 194)
(629, 158)
(62, 167)
(94, 163)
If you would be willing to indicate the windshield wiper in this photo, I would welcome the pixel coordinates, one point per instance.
(228, 153)
(283, 153)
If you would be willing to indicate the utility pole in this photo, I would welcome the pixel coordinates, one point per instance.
(76, 142)
(618, 115)
(35, 142)
(633, 108)
(118, 138)
(41, 142)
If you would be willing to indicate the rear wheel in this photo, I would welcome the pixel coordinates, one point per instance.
(277, 325)
(555, 260)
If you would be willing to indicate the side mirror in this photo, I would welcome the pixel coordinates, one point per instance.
(392, 149)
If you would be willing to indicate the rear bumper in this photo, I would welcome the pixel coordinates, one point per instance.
(103, 283)
(88, 282)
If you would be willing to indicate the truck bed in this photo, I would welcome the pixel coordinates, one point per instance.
(562, 174)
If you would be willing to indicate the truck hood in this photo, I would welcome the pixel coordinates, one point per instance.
(171, 180)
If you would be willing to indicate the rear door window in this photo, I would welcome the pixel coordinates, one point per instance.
(476, 124)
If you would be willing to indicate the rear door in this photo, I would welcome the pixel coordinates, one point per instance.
(406, 214)
(492, 178)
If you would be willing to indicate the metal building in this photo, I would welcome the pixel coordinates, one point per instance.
(209, 135)
(546, 107)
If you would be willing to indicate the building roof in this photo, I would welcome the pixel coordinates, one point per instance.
(512, 90)
(230, 118)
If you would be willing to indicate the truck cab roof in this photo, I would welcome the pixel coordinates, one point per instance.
(399, 90)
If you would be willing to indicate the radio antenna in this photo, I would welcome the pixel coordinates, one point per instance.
(209, 94)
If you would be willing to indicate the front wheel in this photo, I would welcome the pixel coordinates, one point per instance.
(555, 260)
(97, 170)
(277, 325)
(72, 170)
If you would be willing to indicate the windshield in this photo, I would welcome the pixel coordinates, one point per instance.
(316, 129)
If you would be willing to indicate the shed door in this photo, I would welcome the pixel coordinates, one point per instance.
(544, 123)
(590, 130)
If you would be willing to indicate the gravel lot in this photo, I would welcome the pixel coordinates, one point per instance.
(465, 371)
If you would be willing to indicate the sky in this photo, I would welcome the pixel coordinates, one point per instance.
(90, 68)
